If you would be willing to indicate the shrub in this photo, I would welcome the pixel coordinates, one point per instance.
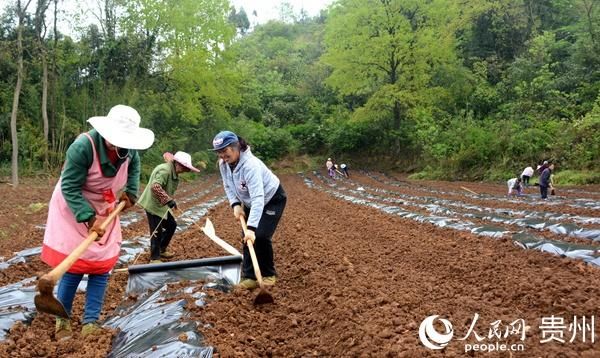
(575, 177)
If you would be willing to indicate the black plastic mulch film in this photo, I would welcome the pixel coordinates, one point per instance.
(442, 216)
(153, 326)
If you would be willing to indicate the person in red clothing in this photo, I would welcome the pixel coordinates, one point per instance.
(99, 164)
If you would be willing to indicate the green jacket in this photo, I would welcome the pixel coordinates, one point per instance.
(80, 157)
(165, 175)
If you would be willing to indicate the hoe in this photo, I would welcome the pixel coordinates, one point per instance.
(45, 300)
(263, 295)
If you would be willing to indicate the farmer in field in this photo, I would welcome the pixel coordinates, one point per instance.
(526, 175)
(255, 193)
(541, 167)
(157, 200)
(99, 165)
(330, 168)
(515, 187)
(345, 170)
(545, 181)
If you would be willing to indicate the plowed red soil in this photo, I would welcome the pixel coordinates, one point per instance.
(353, 281)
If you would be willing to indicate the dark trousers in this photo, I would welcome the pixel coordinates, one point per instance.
(162, 235)
(525, 179)
(544, 192)
(263, 245)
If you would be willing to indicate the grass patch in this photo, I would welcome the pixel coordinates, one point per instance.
(500, 174)
(293, 165)
(576, 177)
(35, 207)
(429, 174)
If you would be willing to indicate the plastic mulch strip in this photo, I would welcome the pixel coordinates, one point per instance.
(585, 253)
(532, 220)
(20, 257)
(157, 325)
(525, 240)
(556, 200)
(133, 247)
(16, 304)
(143, 278)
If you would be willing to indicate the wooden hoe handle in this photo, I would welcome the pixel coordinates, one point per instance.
(252, 254)
(66, 264)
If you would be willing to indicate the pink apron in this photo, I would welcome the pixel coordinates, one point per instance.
(63, 233)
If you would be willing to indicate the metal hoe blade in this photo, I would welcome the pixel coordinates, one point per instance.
(45, 300)
(209, 228)
(50, 305)
(263, 297)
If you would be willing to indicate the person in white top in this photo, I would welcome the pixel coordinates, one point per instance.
(514, 186)
(526, 175)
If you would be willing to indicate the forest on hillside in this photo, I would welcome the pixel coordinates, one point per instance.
(441, 89)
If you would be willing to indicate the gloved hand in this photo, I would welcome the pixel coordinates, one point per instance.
(94, 226)
(238, 211)
(172, 204)
(250, 235)
(128, 199)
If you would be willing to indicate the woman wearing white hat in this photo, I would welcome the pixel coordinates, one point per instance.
(99, 164)
(157, 199)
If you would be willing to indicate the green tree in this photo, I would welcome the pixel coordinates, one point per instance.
(388, 52)
(240, 20)
(191, 36)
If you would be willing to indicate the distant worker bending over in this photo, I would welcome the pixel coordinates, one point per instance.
(345, 170)
(515, 187)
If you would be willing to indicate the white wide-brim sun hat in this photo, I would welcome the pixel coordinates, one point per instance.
(121, 128)
(186, 160)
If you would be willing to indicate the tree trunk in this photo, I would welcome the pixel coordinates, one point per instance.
(40, 30)
(589, 13)
(53, 79)
(13, 118)
(45, 106)
(397, 115)
(109, 11)
(15, 105)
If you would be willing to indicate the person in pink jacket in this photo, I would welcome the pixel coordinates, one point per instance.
(99, 165)
(330, 168)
